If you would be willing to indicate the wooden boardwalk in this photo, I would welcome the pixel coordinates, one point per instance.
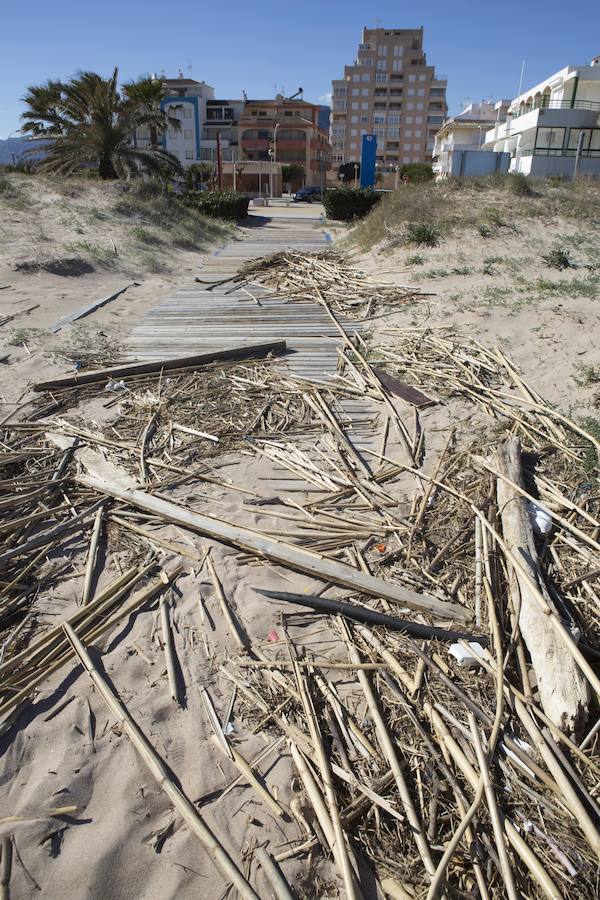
(198, 318)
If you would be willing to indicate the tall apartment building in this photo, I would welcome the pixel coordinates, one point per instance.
(391, 92)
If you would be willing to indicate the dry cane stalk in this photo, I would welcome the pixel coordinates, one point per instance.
(5, 866)
(91, 560)
(389, 750)
(273, 874)
(182, 804)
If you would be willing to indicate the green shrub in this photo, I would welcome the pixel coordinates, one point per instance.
(346, 204)
(219, 204)
(422, 234)
(417, 172)
(519, 184)
(558, 259)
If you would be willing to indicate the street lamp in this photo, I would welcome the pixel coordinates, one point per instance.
(355, 174)
(233, 156)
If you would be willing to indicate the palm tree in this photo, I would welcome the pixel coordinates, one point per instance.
(89, 125)
(146, 96)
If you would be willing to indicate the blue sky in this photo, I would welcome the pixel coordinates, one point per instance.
(255, 46)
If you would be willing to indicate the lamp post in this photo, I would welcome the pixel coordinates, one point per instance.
(355, 174)
(271, 173)
(275, 144)
(397, 173)
(233, 155)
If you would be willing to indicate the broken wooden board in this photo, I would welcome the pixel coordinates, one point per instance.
(131, 370)
(404, 391)
(86, 310)
(296, 558)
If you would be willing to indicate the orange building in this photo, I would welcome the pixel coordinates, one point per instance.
(286, 132)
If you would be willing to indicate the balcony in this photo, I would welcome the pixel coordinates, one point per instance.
(592, 105)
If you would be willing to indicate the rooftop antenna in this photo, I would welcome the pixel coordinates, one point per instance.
(521, 78)
(189, 67)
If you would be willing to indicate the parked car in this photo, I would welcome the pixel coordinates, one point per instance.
(309, 195)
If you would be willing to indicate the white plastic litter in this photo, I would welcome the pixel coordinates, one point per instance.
(115, 386)
(540, 519)
(462, 655)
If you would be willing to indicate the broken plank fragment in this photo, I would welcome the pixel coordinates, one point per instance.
(86, 310)
(250, 351)
(404, 391)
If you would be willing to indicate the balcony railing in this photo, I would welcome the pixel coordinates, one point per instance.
(559, 151)
(558, 104)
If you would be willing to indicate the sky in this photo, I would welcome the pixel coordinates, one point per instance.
(266, 47)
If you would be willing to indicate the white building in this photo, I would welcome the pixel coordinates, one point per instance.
(465, 132)
(543, 125)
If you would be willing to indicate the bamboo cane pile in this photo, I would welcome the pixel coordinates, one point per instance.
(326, 276)
(410, 771)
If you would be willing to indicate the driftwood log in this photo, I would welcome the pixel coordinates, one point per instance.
(564, 692)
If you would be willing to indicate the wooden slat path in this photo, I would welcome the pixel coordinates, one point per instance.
(198, 318)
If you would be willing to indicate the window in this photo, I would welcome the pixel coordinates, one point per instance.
(412, 77)
(356, 106)
(382, 50)
(397, 65)
(355, 92)
(378, 132)
(379, 119)
(187, 134)
(418, 133)
(264, 135)
(382, 64)
(422, 77)
(416, 147)
(552, 138)
(354, 132)
(356, 77)
(407, 148)
(398, 50)
(339, 92)
(354, 119)
(363, 131)
(381, 77)
(393, 132)
(187, 112)
(405, 159)
(393, 119)
(420, 106)
(189, 154)
(408, 132)
(364, 46)
(368, 62)
(408, 120)
(364, 105)
(354, 146)
(410, 105)
(421, 92)
(418, 120)
(366, 76)
(364, 120)
(365, 92)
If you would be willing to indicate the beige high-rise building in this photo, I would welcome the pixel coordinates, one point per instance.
(391, 92)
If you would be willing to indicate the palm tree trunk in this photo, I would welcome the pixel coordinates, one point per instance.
(106, 170)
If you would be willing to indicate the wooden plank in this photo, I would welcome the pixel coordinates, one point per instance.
(129, 370)
(360, 613)
(86, 310)
(404, 391)
(296, 558)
